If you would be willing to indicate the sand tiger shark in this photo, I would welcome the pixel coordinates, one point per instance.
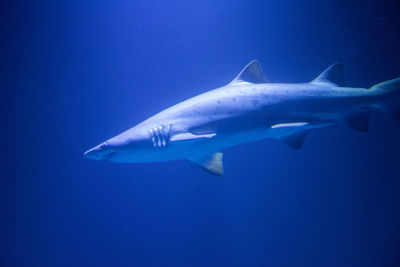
(248, 109)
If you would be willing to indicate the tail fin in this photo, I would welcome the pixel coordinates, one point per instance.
(390, 94)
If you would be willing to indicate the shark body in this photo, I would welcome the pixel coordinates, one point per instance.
(248, 109)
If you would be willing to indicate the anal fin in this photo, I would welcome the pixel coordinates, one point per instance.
(210, 162)
(358, 121)
(392, 110)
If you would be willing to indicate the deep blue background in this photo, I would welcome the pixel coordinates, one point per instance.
(75, 73)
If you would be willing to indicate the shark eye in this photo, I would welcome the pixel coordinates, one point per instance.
(105, 143)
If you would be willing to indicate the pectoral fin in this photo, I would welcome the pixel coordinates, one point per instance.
(289, 125)
(295, 139)
(190, 136)
(210, 162)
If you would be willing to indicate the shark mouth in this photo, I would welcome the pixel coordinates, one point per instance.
(109, 156)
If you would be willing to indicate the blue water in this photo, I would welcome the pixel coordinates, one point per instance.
(74, 73)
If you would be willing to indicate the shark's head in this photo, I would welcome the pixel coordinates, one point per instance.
(129, 146)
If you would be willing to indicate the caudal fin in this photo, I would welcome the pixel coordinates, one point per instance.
(389, 93)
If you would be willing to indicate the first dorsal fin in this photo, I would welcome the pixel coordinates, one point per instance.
(333, 74)
(252, 73)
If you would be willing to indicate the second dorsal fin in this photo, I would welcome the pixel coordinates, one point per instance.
(252, 73)
(333, 74)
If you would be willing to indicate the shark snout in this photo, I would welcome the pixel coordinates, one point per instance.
(92, 154)
(100, 152)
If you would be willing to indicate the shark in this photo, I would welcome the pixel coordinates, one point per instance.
(248, 109)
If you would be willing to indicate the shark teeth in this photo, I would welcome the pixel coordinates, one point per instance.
(160, 136)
